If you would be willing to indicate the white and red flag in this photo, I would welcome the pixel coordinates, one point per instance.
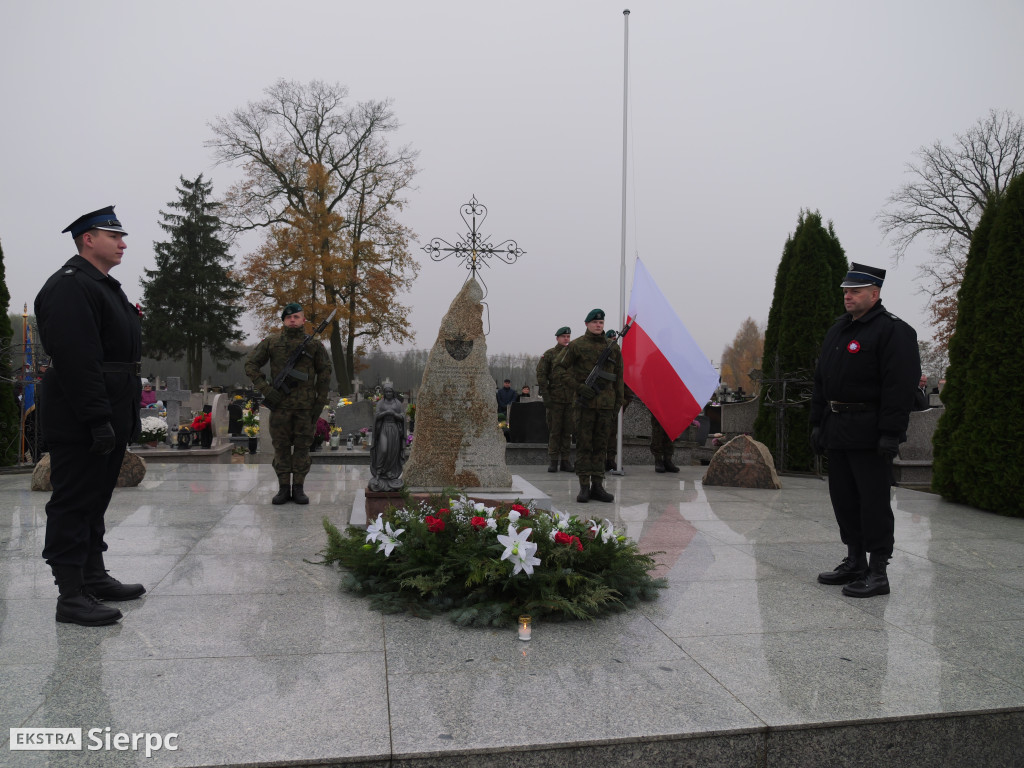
(662, 363)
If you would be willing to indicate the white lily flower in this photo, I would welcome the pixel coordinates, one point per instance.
(561, 519)
(513, 516)
(605, 530)
(389, 540)
(519, 550)
(375, 529)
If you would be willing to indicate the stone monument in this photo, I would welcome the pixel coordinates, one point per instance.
(458, 442)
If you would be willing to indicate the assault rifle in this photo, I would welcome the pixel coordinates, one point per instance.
(598, 378)
(280, 382)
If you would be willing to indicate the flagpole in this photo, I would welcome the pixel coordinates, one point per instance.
(21, 429)
(622, 263)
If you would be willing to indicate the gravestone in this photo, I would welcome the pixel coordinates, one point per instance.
(196, 402)
(235, 418)
(738, 418)
(265, 444)
(742, 463)
(352, 418)
(219, 410)
(133, 472)
(356, 383)
(458, 442)
(173, 397)
(913, 464)
(527, 423)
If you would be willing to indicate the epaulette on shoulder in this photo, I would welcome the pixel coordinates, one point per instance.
(70, 271)
(892, 316)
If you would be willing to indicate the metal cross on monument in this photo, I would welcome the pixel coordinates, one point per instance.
(473, 248)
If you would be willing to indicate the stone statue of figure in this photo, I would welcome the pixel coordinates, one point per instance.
(388, 442)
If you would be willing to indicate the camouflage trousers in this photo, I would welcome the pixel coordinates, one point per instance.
(592, 428)
(292, 434)
(560, 418)
(661, 446)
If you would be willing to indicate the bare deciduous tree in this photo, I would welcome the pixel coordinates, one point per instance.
(943, 202)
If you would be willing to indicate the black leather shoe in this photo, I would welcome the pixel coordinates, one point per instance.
(106, 587)
(659, 465)
(282, 495)
(609, 465)
(84, 609)
(851, 569)
(584, 495)
(566, 466)
(553, 466)
(298, 495)
(598, 492)
(669, 466)
(874, 582)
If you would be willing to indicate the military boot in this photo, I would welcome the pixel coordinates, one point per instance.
(584, 495)
(553, 466)
(74, 606)
(874, 582)
(298, 495)
(669, 466)
(609, 465)
(100, 584)
(598, 492)
(659, 464)
(567, 466)
(853, 567)
(283, 494)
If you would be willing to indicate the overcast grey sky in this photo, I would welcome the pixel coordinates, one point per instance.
(742, 113)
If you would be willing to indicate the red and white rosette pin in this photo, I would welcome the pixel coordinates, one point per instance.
(853, 347)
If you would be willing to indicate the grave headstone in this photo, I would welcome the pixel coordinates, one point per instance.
(739, 417)
(352, 418)
(219, 410)
(235, 418)
(265, 444)
(742, 463)
(173, 398)
(356, 383)
(527, 422)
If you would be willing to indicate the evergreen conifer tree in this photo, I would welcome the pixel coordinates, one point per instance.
(191, 300)
(806, 302)
(953, 441)
(10, 416)
(980, 458)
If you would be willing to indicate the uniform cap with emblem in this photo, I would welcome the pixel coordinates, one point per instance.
(104, 218)
(563, 330)
(861, 276)
(290, 309)
(595, 314)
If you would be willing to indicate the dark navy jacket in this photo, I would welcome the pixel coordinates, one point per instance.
(873, 361)
(84, 320)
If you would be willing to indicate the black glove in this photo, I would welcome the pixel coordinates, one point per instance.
(272, 398)
(586, 392)
(816, 441)
(888, 446)
(102, 439)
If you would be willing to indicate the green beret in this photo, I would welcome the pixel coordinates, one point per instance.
(563, 329)
(290, 309)
(610, 334)
(595, 314)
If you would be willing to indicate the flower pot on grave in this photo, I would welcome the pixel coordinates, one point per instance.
(253, 443)
(184, 439)
(335, 442)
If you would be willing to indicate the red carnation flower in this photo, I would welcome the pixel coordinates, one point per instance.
(478, 522)
(521, 510)
(443, 511)
(434, 524)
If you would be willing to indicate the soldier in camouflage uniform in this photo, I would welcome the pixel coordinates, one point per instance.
(595, 411)
(557, 404)
(662, 448)
(292, 416)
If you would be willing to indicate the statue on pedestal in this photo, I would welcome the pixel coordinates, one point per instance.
(386, 458)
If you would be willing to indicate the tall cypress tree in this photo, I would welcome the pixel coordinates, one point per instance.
(978, 461)
(805, 303)
(191, 301)
(10, 413)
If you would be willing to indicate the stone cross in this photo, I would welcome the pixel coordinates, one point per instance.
(173, 397)
(356, 382)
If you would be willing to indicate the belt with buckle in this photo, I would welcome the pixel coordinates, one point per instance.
(135, 369)
(836, 407)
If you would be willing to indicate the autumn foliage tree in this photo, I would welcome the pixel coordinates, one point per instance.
(325, 186)
(743, 356)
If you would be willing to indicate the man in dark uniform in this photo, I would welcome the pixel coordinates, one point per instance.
(662, 448)
(557, 404)
(595, 409)
(293, 416)
(89, 411)
(863, 392)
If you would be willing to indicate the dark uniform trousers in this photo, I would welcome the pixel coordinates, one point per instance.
(559, 417)
(661, 446)
(593, 425)
(290, 427)
(83, 483)
(859, 484)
